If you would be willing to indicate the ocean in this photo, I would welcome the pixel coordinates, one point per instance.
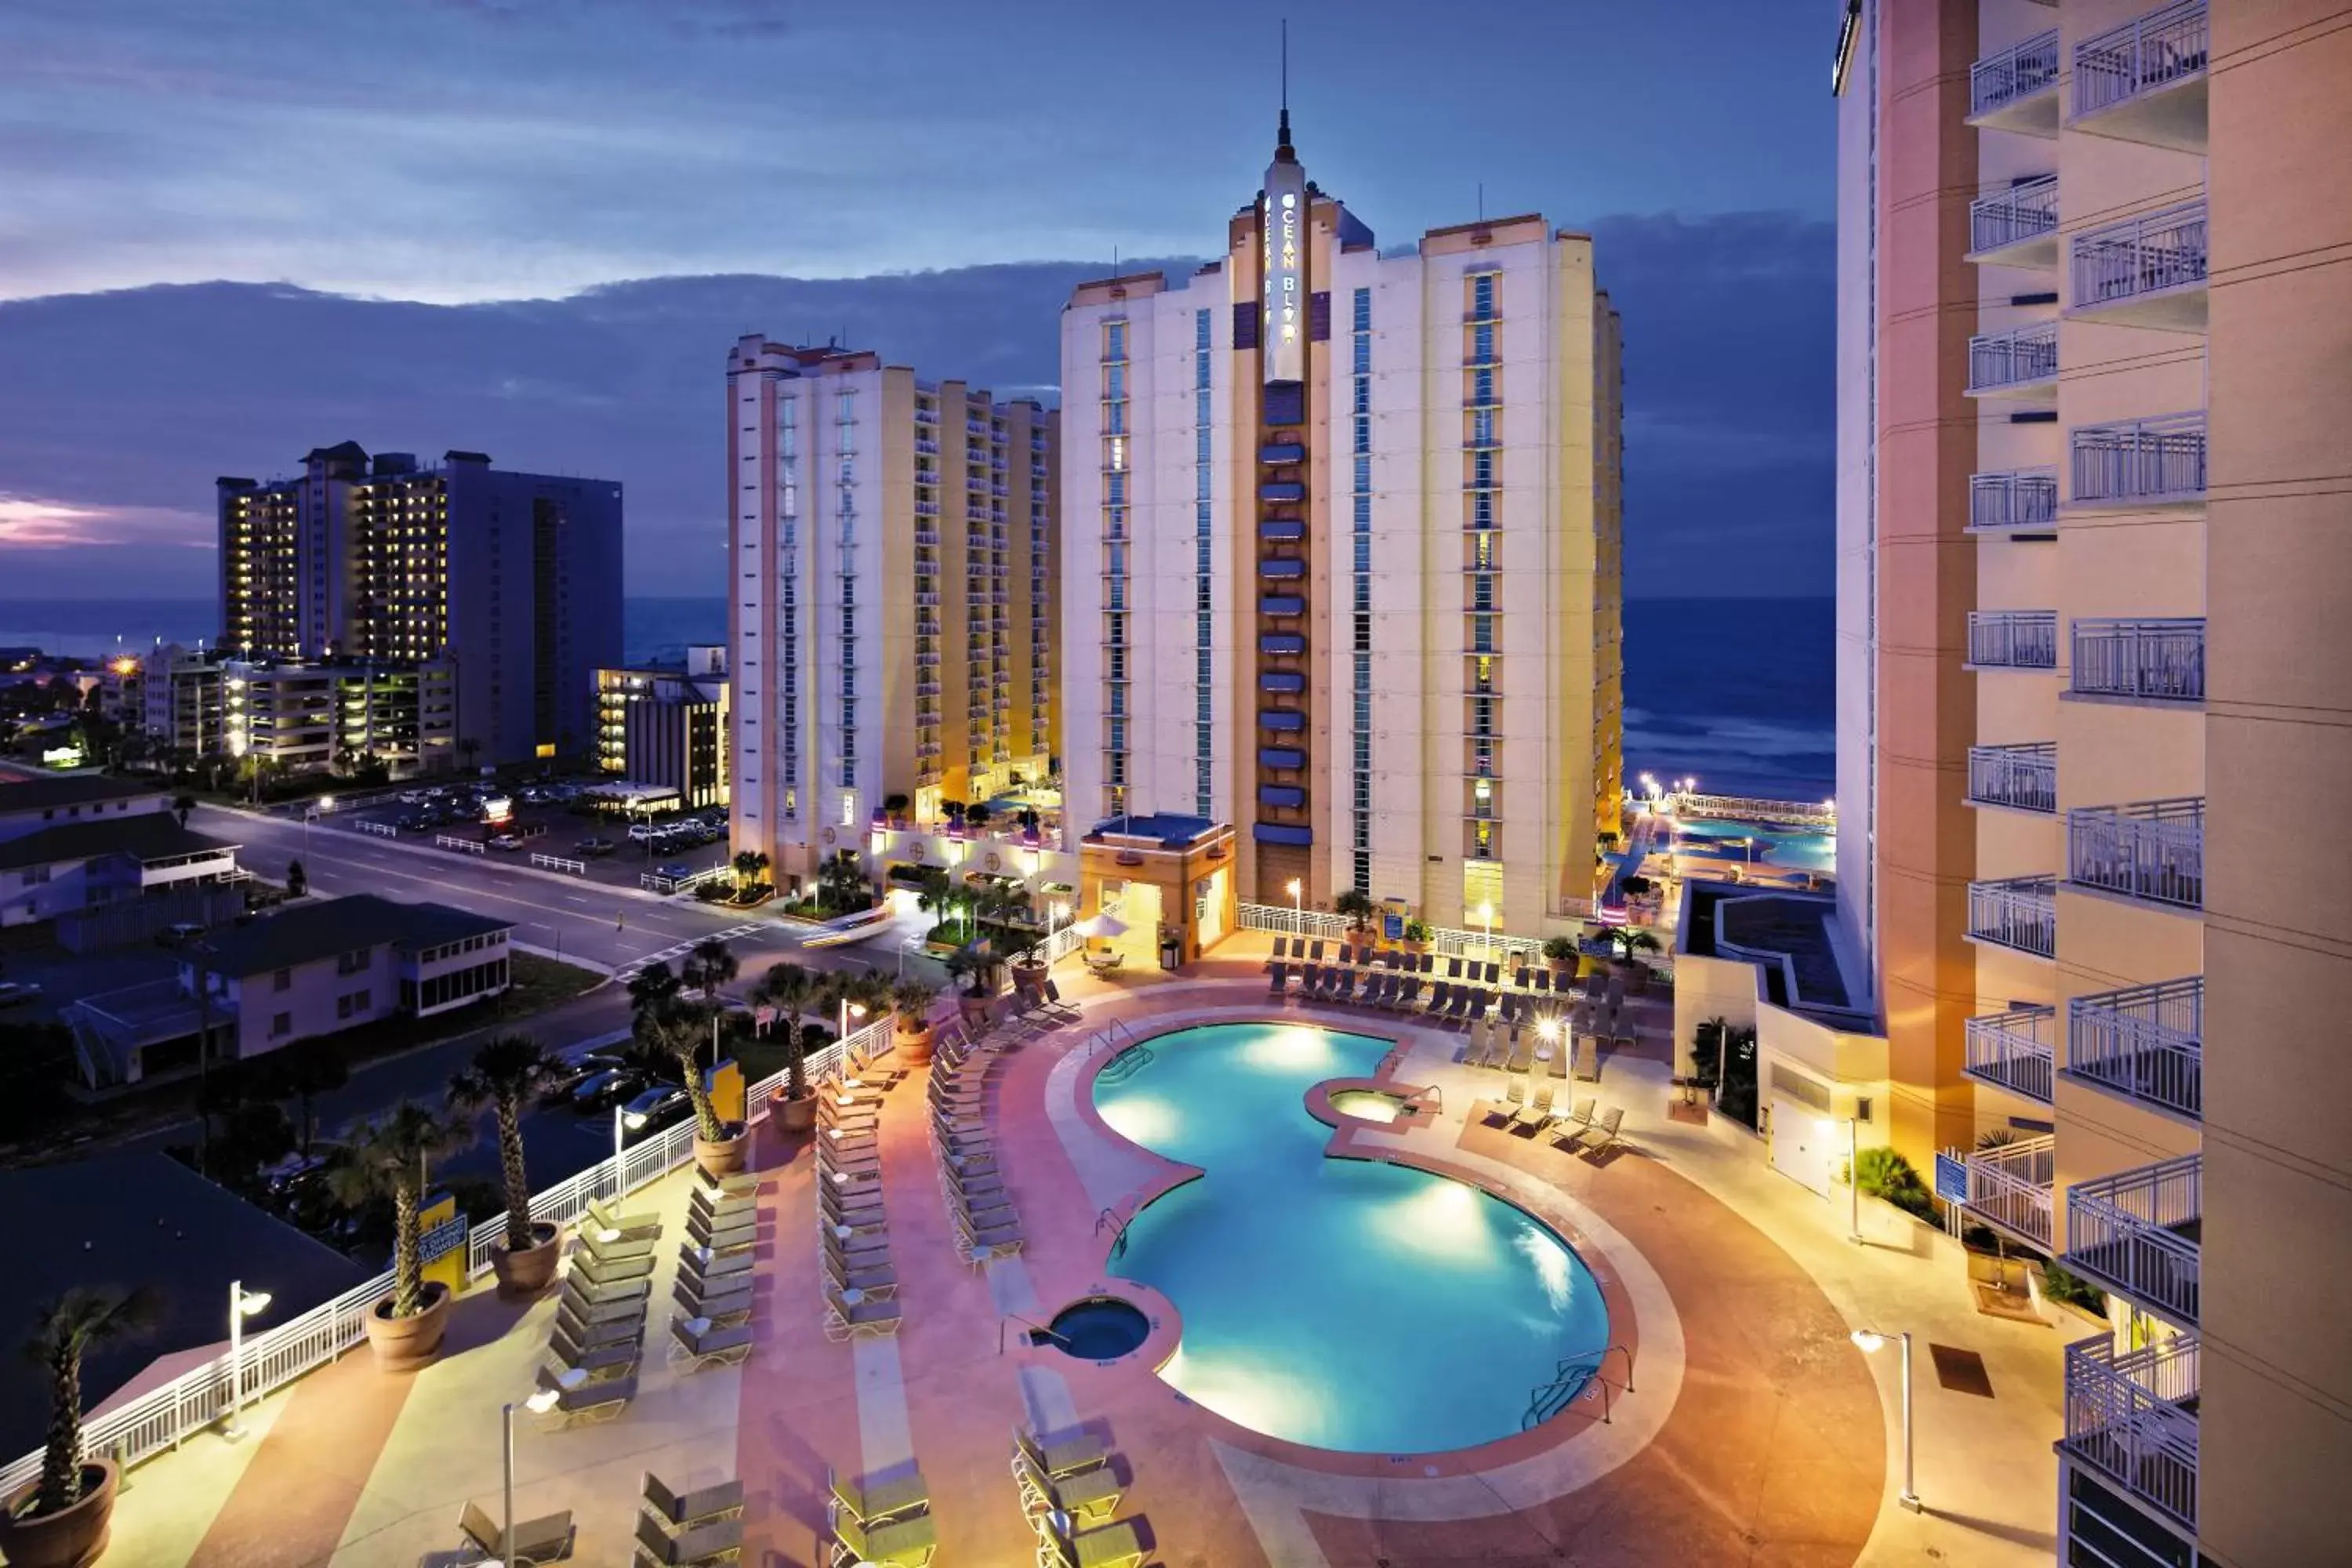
(1738, 693)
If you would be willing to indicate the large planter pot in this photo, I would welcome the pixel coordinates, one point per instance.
(914, 1045)
(794, 1116)
(71, 1538)
(404, 1345)
(729, 1154)
(529, 1270)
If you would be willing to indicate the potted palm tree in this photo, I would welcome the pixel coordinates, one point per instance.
(61, 1520)
(1356, 909)
(387, 1156)
(1625, 942)
(508, 1072)
(720, 1148)
(913, 999)
(1559, 951)
(1416, 935)
(788, 988)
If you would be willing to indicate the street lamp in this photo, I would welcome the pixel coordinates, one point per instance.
(1298, 891)
(850, 1010)
(1870, 1341)
(242, 1304)
(619, 1115)
(1486, 919)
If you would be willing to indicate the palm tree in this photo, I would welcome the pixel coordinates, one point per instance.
(654, 987)
(678, 1034)
(748, 864)
(507, 1073)
(710, 965)
(66, 1330)
(840, 880)
(1353, 906)
(935, 894)
(912, 1000)
(302, 1073)
(964, 964)
(788, 988)
(1624, 942)
(386, 1156)
(182, 804)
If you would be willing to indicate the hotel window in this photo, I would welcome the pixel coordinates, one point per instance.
(1482, 889)
(1361, 598)
(1482, 294)
(1203, 629)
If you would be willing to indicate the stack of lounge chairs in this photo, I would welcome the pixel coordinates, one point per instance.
(978, 1204)
(598, 1336)
(700, 1529)
(710, 1320)
(533, 1541)
(1071, 1493)
(881, 1519)
(860, 1286)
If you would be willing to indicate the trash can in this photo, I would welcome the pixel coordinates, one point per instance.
(1171, 951)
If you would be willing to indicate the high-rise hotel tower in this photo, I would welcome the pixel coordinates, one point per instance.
(891, 556)
(1341, 560)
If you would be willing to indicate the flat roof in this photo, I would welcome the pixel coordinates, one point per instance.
(149, 837)
(75, 789)
(314, 930)
(1173, 830)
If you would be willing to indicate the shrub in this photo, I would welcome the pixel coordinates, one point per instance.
(2073, 1289)
(1885, 1174)
(1560, 949)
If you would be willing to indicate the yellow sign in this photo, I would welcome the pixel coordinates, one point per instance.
(725, 1083)
(441, 1241)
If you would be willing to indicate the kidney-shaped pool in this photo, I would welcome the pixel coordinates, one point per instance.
(1340, 1303)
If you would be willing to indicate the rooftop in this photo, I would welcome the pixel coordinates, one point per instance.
(1174, 831)
(1730, 920)
(72, 789)
(149, 837)
(331, 926)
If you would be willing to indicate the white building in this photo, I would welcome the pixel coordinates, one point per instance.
(1341, 558)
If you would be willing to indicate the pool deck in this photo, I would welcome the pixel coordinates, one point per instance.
(1755, 1431)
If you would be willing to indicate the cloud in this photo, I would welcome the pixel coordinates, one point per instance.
(1728, 391)
(684, 18)
(30, 523)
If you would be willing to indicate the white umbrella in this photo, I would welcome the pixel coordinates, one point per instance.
(1102, 925)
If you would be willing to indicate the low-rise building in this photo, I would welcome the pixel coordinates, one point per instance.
(318, 969)
(664, 727)
(75, 867)
(303, 715)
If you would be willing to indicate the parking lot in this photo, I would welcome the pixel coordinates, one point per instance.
(548, 827)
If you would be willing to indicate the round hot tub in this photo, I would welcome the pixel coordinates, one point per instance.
(1099, 1327)
(1368, 1104)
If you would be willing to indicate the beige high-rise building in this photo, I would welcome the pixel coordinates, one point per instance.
(2095, 527)
(891, 559)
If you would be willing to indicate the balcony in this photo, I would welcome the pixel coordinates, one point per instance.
(2151, 850)
(2013, 639)
(2148, 271)
(2140, 661)
(2017, 227)
(2020, 913)
(2131, 1415)
(2138, 1232)
(2141, 465)
(2019, 362)
(2145, 1043)
(2006, 1187)
(2146, 81)
(2020, 778)
(2023, 502)
(2013, 1051)
(2017, 89)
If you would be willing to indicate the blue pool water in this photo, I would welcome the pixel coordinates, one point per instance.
(1792, 848)
(1339, 1303)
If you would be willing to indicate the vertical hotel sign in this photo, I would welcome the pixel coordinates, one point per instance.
(1283, 226)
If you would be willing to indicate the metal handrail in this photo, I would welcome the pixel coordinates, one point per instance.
(2013, 1049)
(2146, 254)
(2020, 912)
(2014, 639)
(2146, 1041)
(2019, 71)
(2020, 212)
(2149, 660)
(2024, 777)
(2131, 1415)
(2157, 459)
(2027, 498)
(2171, 44)
(2011, 358)
(1031, 1325)
(2150, 849)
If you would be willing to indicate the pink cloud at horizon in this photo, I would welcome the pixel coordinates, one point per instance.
(29, 523)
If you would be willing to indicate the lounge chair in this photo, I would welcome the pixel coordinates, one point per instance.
(1346, 990)
(872, 1502)
(1493, 976)
(723, 1302)
(723, 1215)
(701, 1201)
(1411, 995)
(1062, 1454)
(613, 1248)
(704, 1546)
(1542, 979)
(1521, 1050)
(601, 1273)
(723, 1238)
(699, 1263)
(611, 1357)
(981, 1243)
(1440, 995)
(1536, 1114)
(547, 1540)
(1105, 1546)
(901, 1542)
(624, 1328)
(873, 1277)
(586, 1403)
(1560, 1051)
(1603, 1132)
(1278, 979)
(971, 1183)
(1314, 956)
(700, 1342)
(732, 1184)
(1281, 952)
(1566, 1130)
(1458, 1006)
(704, 1505)
(1063, 1012)
(618, 1309)
(1509, 1010)
(604, 1217)
(1520, 977)
(845, 1319)
(1515, 1095)
(1088, 1497)
(841, 1215)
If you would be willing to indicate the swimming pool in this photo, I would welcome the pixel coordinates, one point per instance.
(1341, 1303)
(1794, 848)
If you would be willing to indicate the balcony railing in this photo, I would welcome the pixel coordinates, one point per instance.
(2008, 1186)
(2147, 661)
(2014, 639)
(2014, 1051)
(2152, 254)
(2013, 75)
(2024, 211)
(2146, 1042)
(2132, 1417)
(2019, 359)
(2025, 498)
(2160, 459)
(2140, 1232)
(2024, 778)
(2152, 849)
(2169, 45)
(2020, 913)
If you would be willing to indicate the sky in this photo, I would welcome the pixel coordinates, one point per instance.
(238, 229)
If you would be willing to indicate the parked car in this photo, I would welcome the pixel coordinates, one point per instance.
(595, 846)
(674, 868)
(574, 1074)
(656, 1108)
(640, 831)
(604, 1087)
(507, 841)
(17, 992)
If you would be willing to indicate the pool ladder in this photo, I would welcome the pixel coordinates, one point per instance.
(1125, 1065)
(1110, 1218)
(1109, 1033)
(1570, 1381)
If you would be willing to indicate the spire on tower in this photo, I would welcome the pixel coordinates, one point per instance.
(1283, 150)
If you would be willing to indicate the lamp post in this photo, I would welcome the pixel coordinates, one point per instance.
(1852, 1183)
(506, 1467)
(1870, 1341)
(242, 1304)
(619, 1111)
(1298, 891)
(1486, 919)
(850, 1010)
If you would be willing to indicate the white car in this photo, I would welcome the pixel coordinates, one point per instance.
(640, 832)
